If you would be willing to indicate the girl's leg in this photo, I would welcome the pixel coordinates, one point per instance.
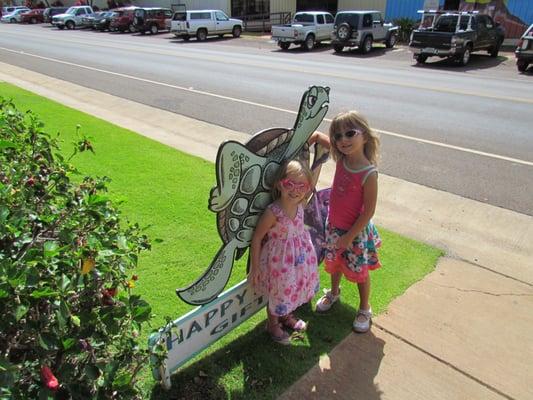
(335, 283)
(274, 326)
(364, 294)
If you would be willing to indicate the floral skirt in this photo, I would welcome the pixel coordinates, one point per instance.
(355, 261)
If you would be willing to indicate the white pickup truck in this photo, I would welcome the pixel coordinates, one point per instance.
(204, 23)
(73, 17)
(307, 29)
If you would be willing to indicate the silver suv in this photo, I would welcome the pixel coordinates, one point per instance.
(361, 29)
(73, 17)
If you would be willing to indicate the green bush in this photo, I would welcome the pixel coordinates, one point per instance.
(406, 26)
(70, 322)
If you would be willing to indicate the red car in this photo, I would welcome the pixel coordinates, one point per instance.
(34, 16)
(122, 19)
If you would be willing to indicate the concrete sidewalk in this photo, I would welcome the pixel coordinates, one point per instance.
(463, 332)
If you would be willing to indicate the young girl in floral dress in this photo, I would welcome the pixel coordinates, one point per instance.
(283, 259)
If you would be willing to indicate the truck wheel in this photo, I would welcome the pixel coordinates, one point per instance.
(367, 45)
(391, 41)
(70, 25)
(33, 20)
(12, 21)
(493, 51)
(201, 35)
(131, 28)
(421, 59)
(154, 29)
(522, 65)
(186, 38)
(284, 45)
(465, 57)
(309, 43)
(236, 32)
(338, 48)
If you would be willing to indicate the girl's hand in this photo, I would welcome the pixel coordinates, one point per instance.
(253, 277)
(344, 241)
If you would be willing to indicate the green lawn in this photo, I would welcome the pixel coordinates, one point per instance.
(167, 191)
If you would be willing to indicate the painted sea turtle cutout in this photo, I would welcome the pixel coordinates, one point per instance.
(244, 179)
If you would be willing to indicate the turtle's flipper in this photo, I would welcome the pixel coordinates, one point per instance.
(233, 160)
(214, 279)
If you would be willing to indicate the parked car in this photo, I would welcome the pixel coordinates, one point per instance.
(524, 51)
(456, 35)
(72, 18)
(307, 29)
(33, 17)
(361, 29)
(51, 11)
(14, 16)
(10, 9)
(123, 19)
(151, 20)
(204, 23)
(102, 21)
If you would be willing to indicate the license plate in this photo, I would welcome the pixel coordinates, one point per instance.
(430, 50)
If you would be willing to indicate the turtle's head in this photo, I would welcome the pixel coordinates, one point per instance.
(316, 102)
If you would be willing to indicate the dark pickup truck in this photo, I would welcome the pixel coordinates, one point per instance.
(456, 36)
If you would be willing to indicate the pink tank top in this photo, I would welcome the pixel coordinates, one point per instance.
(346, 201)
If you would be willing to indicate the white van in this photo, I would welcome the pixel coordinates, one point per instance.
(204, 23)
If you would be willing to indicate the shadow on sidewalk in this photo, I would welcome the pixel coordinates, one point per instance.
(252, 366)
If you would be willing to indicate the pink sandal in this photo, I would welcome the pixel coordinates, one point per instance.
(291, 322)
(284, 338)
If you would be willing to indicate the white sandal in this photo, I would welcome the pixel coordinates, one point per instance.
(325, 303)
(362, 326)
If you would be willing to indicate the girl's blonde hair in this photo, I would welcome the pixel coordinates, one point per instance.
(291, 167)
(352, 120)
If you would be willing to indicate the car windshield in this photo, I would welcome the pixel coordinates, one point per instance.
(71, 10)
(304, 18)
(351, 19)
(446, 23)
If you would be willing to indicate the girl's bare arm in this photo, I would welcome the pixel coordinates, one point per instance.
(267, 221)
(321, 138)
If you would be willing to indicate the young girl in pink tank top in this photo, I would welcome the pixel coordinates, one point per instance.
(351, 238)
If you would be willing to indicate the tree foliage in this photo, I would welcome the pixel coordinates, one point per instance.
(70, 322)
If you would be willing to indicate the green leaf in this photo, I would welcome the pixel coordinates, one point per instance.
(4, 212)
(50, 249)
(68, 343)
(43, 292)
(122, 380)
(122, 243)
(95, 199)
(65, 282)
(64, 310)
(92, 371)
(4, 144)
(47, 341)
(21, 311)
(75, 320)
(141, 311)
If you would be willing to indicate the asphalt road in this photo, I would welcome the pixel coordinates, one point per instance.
(464, 130)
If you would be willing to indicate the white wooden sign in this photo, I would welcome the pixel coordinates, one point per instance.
(198, 329)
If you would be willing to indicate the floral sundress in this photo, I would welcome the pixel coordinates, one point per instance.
(288, 271)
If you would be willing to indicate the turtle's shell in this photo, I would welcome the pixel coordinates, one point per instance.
(254, 195)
